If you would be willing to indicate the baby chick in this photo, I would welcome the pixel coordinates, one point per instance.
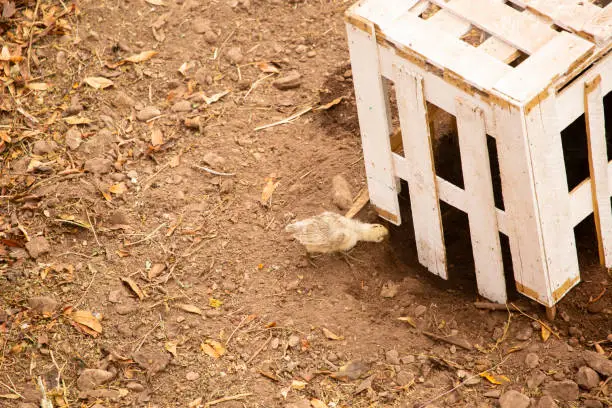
(330, 232)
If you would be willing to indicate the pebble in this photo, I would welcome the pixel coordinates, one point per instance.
(115, 296)
(153, 362)
(598, 363)
(210, 37)
(214, 160)
(42, 147)
(201, 26)
(98, 165)
(419, 311)
(389, 289)
(547, 402)
(587, 378)
(293, 341)
(300, 49)
(311, 54)
(201, 76)
(597, 307)
(514, 399)
(147, 113)
(565, 390)
(290, 81)
(192, 376)
(73, 138)
(234, 55)
(90, 378)
(524, 333)
(274, 343)
(392, 357)
(42, 304)
(404, 377)
(342, 196)
(492, 394)
(535, 379)
(182, 106)
(37, 246)
(532, 360)
(134, 386)
(123, 100)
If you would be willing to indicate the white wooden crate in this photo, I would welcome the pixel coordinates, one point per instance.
(543, 64)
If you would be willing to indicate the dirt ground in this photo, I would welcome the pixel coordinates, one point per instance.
(139, 266)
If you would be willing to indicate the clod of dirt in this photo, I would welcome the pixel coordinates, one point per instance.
(389, 289)
(419, 311)
(42, 147)
(598, 363)
(201, 25)
(226, 186)
(492, 394)
(73, 138)
(294, 340)
(118, 218)
(352, 370)
(192, 376)
(210, 37)
(148, 112)
(532, 360)
(115, 296)
(37, 246)
(514, 399)
(42, 304)
(123, 100)
(565, 390)
(592, 404)
(275, 343)
(290, 81)
(98, 165)
(214, 160)
(597, 307)
(587, 378)
(182, 106)
(404, 378)
(91, 378)
(524, 333)
(342, 196)
(152, 361)
(134, 386)
(234, 55)
(392, 357)
(112, 395)
(547, 402)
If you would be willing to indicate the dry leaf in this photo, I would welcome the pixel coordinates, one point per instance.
(98, 82)
(600, 349)
(156, 2)
(330, 335)
(143, 56)
(215, 97)
(495, 379)
(171, 347)
(545, 333)
(10, 396)
(268, 68)
(213, 348)
(214, 302)
(408, 320)
(329, 104)
(268, 190)
(85, 318)
(118, 188)
(77, 120)
(317, 403)
(189, 308)
(134, 286)
(298, 385)
(156, 270)
(38, 86)
(157, 137)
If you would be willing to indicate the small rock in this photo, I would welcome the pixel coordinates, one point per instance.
(153, 361)
(210, 37)
(290, 81)
(547, 402)
(598, 363)
(389, 289)
(73, 138)
(147, 113)
(597, 307)
(123, 100)
(404, 378)
(226, 186)
(565, 390)
(492, 394)
(301, 49)
(125, 309)
(587, 378)
(293, 341)
(37, 246)
(192, 376)
(558, 376)
(293, 285)
(90, 378)
(419, 310)
(42, 147)
(342, 196)
(234, 55)
(274, 343)
(214, 160)
(201, 76)
(593, 404)
(98, 165)
(392, 357)
(134, 386)
(311, 54)
(524, 333)
(535, 379)
(201, 26)
(182, 106)
(574, 331)
(42, 304)
(514, 399)
(408, 359)
(115, 296)
(532, 360)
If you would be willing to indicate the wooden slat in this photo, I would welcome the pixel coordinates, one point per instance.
(383, 12)
(481, 212)
(598, 164)
(569, 14)
(445, 51)
(512, 26)
(538, 71)
(420, 172)
(374, 123)
(600, 27)
(499, 49)
(581, 202)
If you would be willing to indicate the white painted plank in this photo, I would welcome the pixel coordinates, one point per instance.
(561, 270)
(598, 164)
(569, 14)
(447, 52)
(538, 71)
(511, 26)
(499, 49)
(482, 217)
(600, 27)
(373, 123)
(420, 173)
(382, 12)
(581, 201)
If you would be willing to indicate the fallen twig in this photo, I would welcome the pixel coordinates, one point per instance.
(93, 277)
(535, 320)
(259, 349)
(254, 85)
(358, 203)
(211, 171)
(286, 120)
(230, 398)
(93, 229)
(236, 329)
(13, 390)
(148, 237)
(464, 344)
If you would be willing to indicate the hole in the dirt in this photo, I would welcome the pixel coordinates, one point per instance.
(429, 11)
(447, 156)
(519, 59)
(495, 174)
(575, 152)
